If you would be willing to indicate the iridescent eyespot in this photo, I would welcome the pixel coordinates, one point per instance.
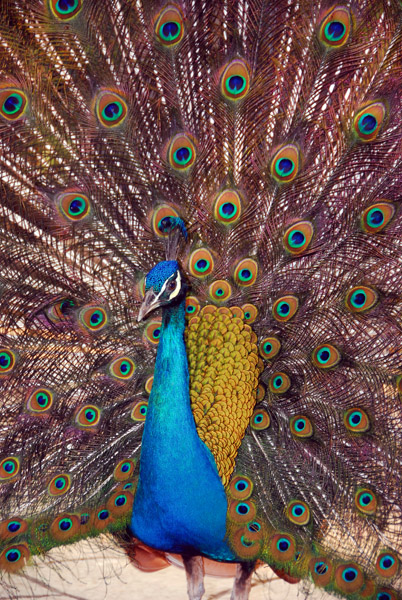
(336, 27)
(111, 109)
(301, 426)
(93, 318)
(321, 571)
(360, 299)
(13, 103)
(60, 310)
(153, 330)
(124, 469)
(40, 400)
(269, 347)
(367, 122)
(298, 512)
(260, 393)
(260, 420)
(387, 564)
(192, 306)
(59, 485)
(241, 511)
(139, 411)
(279, 383)
(227, 207)
(9, 468)
(122, 368)
(366, 501)
(326, 356)
(88, 416)
(162, 212)
(246, 272)
(12, 527)
(102, 519)
(120, 503)
(298, 237)
(349, 578)
(356, 420)
(74, 206)
(148, 384)
(14, 558)
(65, 527)
(247, 545)
(285, 164)
(7, 361)
(250, 313)
(241, 487)
(385, 594)
(285, 308)
(201, 263)
(235, 80)
(65, 9)
(169, 26)
(220, 290)
(282, 547)
(181, 152)
(377, 216)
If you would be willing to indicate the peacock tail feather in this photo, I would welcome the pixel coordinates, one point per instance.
(273, 130)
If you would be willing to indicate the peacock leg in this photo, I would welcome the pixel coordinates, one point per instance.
(194, 566)
(242, 584)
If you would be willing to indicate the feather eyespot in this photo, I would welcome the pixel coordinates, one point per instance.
(285, 164)
(111, 109)
(246, 272)
(336, 27)
(88, 416)
(12, 527)
(153, 330)
(298, 237)
(169, 26)
(59, 485)
(349, 578)
(201, 263)
(326, 356)
(298, 512)
(181, 152)
(13, 103)
(387, 564)
(148, 384)
(385, 594)
(282, 547)
(321, 571)
(285, 308)
(279, 383)
(227, 208)
(14, 558)
(192, 306)
(74, 206)
(139, 411)
(122, 368)
(301, 426)
(124, 469)
(367, 122)
(220, 290)
(360, 299)
(250, 312)
(102, 519)
(162, 212)
(241, 487)
(377, 216)
(260, 393)
(366, 501)
(241, 511)
(269, 347)
(40, 400)
(60, 310)
(7, 361)
(235, 80)
(65, 9)
(65, 527)
(93, 318)
(356, 420)
(260, 420)
(9, 468)
(120, 503)
(244, 544)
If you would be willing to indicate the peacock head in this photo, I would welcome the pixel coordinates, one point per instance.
(164, 285)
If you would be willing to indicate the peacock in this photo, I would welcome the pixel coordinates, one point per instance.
(201, 285)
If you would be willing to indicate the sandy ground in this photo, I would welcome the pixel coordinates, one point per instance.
(87, 572)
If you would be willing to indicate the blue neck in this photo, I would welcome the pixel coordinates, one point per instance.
(180, 504)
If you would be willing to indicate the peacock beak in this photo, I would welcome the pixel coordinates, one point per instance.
(150, 303)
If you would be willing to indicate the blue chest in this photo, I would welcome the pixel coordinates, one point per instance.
(180, 505)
